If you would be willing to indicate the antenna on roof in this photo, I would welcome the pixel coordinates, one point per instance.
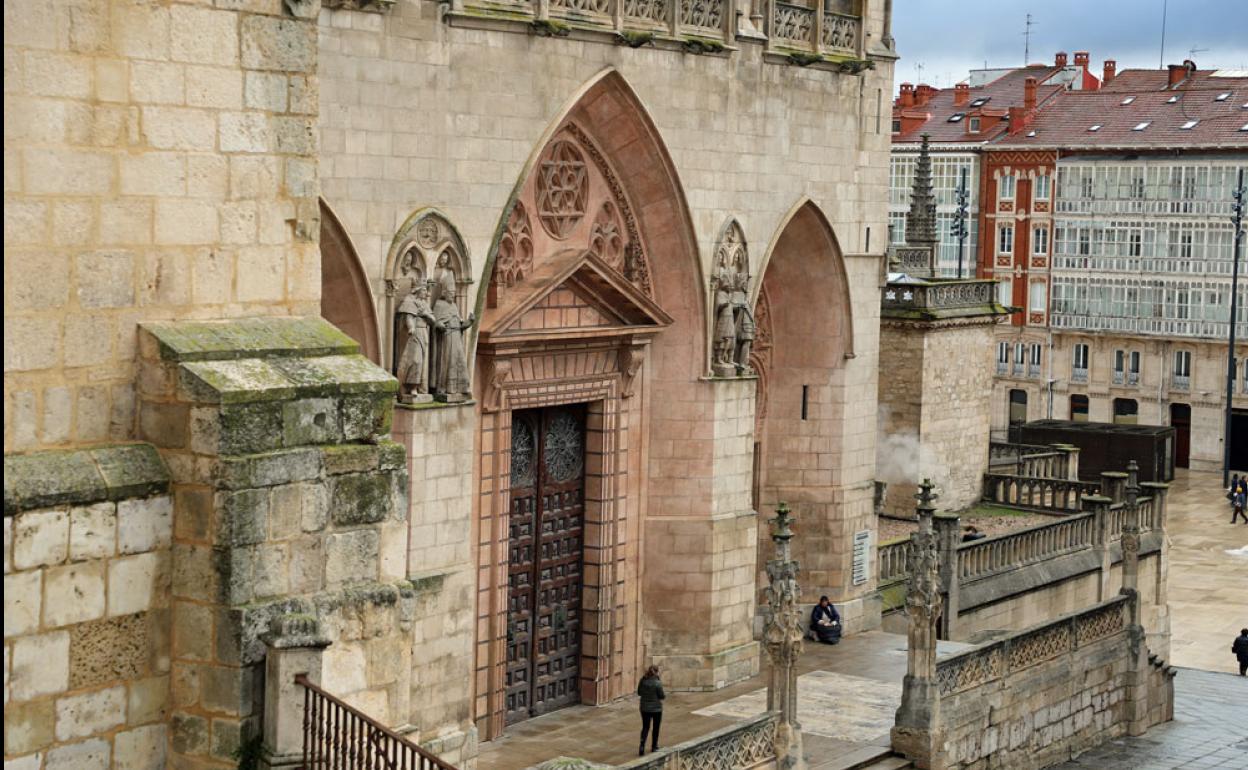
(1161, 63)
(1027, 40)
(918, 67)
(1191, 52)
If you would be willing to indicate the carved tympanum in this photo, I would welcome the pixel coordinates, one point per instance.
(607, 239)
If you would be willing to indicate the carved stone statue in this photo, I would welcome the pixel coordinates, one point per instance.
(415, 317)
(450, 366)
(724, 339)
(743, 321)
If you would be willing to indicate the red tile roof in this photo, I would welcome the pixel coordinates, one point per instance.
(1065, 122)
(1002, 93)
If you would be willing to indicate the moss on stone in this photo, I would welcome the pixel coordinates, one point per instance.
(82, 476)
(360, 498)
(249, 338)
(350, 458)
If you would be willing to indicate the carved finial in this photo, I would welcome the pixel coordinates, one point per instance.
(927, 504)
(1133, 482)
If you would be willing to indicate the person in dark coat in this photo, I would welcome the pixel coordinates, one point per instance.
(1240, 648)
(1237, 505)
(650, 690)
(825, 622)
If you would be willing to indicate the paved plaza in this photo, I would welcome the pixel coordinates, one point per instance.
(1208, 574)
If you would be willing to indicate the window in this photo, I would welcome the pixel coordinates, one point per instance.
(1173, 99)
(1079, 363)
(1189, 125)
(1126, 411)
(1085, 186)
(1042, 187)
(1005, 240)
(896, 126)
(1182, 369)
(1005, 295)
(973, 125)
(1128, 100)
(1005, 188)
(957, 116)
(1018, 407)
(1141, 126)
(1003, 357)
(981, 101)
(1120, 362)
(1040, 241)
(1222, 96)
(1033, 361)
(1095, 127)
(1078, 407)
(1039, 295)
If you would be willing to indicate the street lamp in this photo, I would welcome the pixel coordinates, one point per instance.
(959, 220)
(1237, 219)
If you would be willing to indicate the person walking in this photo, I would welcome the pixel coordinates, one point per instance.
(650, 690)
(1237, 504)
(1240, 648)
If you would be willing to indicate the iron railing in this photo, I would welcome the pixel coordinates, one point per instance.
(339, 737)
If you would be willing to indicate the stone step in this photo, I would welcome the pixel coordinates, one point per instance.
(866, 758)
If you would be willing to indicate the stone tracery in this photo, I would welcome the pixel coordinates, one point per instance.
(607, 239)
(562, 188)
(515, 249)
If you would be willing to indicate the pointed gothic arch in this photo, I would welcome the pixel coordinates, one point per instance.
(346, 297)
(803, 302)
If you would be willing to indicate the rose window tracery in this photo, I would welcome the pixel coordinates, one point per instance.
(562, 189)
(607, 239)
(515, 248)
(523, 449)
(565, 448)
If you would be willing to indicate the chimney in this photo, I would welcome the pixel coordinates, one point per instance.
(907, 95)
(1107, 73)
(961, 94)
(1178, 73)
(1060, 59)
(923, 94)
(1018, 119)
(1081, 60)
(1029, 94)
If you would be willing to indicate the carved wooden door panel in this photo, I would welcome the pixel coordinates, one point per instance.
(545, 550)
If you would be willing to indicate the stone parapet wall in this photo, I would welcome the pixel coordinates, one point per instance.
(86, 608)
(160, 161)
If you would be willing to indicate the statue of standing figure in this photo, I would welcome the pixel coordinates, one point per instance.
(450, 366)
(417, 318)
(724, 339)
(743, 318)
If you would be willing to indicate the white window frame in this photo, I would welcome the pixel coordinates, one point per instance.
(1005, 239)
(1007, 187)
(1040, 241)
(1037, 290)
(1042, 188)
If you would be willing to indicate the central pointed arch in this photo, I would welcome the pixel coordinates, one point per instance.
(803, 411)
(594, 304)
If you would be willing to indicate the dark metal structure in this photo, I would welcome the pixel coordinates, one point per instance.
(1237, 219)
(339, 737)
(1107, 446)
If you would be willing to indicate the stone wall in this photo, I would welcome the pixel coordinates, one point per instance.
(160, 162)
(86, 608)
(290, 500)
(935, 388)
(1014, 703)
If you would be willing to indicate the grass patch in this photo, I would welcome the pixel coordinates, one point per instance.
(992, 510)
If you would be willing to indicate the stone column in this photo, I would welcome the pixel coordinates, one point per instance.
(916, 732)
(1138, 672)
(782, 640)
(1159, 625)
(294, 646)
(1099, 506)
(1113, 484)
(1131, 538)
(948, 536)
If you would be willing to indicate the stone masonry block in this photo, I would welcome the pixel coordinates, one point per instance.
(28, 726)
(249, 428)
(244, 517)
(23, 600)
(189, 734)
(136, 583)
(148, 700)
(269, 468)
(92, 531)
(144, 524)
(86, 755)
(360, 498)
(117, 649)
(364, 417)
(141, 749)
(40, 666)
(40, 538)
(352, 556)
(351, 458)
(73, 593)
(278, 44)
(81, 716)
(311, 421)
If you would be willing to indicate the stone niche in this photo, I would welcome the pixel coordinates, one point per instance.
(289, 499)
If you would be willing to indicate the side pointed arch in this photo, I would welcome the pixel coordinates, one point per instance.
(346, 296)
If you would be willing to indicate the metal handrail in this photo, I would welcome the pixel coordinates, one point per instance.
(337, 735)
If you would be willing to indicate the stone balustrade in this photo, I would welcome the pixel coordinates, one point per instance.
(1059, 461)
(1025, 546)
(939, 295)
(893, 562)
(1053, 495)
(747, 744)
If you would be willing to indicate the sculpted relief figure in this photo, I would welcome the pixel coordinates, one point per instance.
(416, 318)
(724, 340)
(450, 366)
(743, 321)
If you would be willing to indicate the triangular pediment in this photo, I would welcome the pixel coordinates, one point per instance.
(574, 295)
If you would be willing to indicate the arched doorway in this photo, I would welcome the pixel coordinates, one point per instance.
(592, 314)
(346, 299)
(805, 327)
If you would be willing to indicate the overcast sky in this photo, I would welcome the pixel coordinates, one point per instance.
(950, 37)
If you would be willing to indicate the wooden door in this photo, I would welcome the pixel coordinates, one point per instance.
(545, 557)
(1181, 420)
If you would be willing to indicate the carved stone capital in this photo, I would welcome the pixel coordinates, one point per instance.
(631, 358)
(497, 375)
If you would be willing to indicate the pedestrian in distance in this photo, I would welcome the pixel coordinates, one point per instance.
(1237, 505)
(1240, 648)
(650, 690)
(1230, 491)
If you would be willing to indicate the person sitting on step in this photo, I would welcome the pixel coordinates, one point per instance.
(825, 622)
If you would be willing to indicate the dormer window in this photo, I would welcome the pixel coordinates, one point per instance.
(1173, 99)
(1141, 126)
(1244, 127)
(973, 125)
(956, 117)
(1222, 96)
(1189, 125)
(1096, 127)
(1031, 134)
(981, 101)
(1128, 100)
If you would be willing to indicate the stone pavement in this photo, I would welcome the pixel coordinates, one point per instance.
(839, 724)
(1210, 730)
(1208, 599)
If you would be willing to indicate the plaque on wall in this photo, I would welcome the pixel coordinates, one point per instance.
(862, 556)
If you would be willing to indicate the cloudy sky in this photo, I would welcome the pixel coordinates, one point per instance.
(949, 37)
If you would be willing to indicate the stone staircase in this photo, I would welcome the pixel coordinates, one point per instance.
(866, 758)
